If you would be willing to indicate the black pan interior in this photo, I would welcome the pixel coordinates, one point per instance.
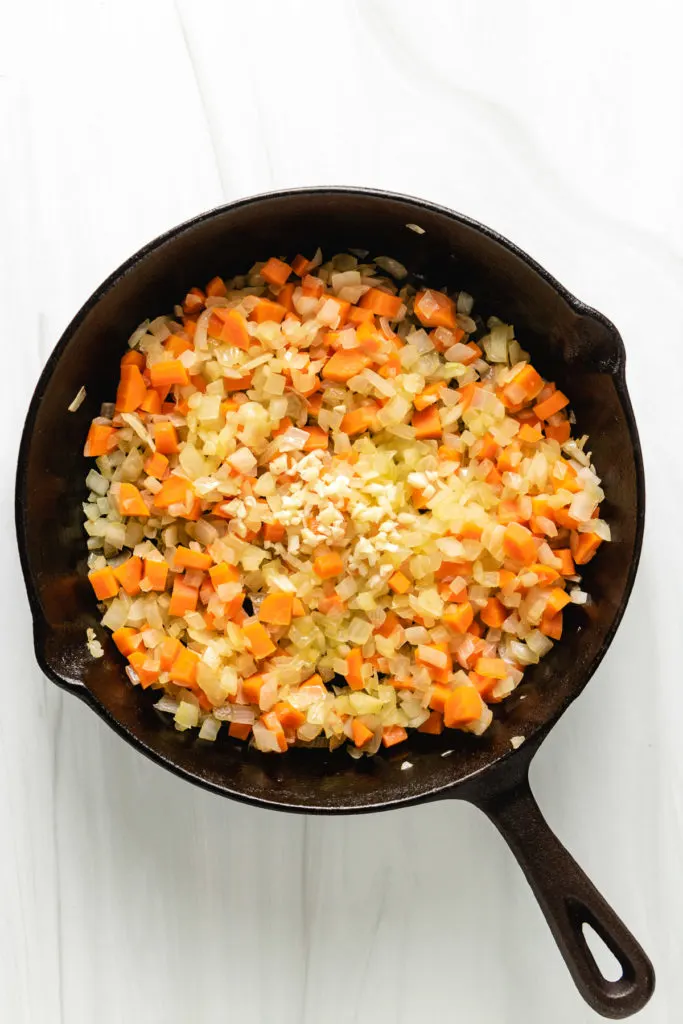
(568, 342)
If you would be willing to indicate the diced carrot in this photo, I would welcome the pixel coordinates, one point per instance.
(298, 610)
(359, 420)
(314, 403)
(459, 617)
(104, 583)
(312, 286)
(427, 424)
(153, 402)
(223, 573)
(300, 265)
(546, 574)
(476, 629)
(126, 639)
(463, 706)
(132, 389)
(438, 674)
(275, 271)
(238, 383)
(100, 440)
(129, 574)
(448, 571)
(183, 671)
(239, 730)
(583, 546)
(155, 573)
(175, 490)
(358, 315)
(276, 609)
(392, 367)
(429, 396)
(551, 405)
(130, 501)
(251, 688)
(506, 461)
(290, 717)
(186, 558)
(134, 358)
(145, 669)
(496, 668)
(233, 608)
(564, 554)
(527, 381)
(354, 669)
(344, 364)
(361, 733)
(331, 605)
(399, 583)
(551, 625)
(166, 374)
(505, 578)
(434, 309)
(400, 684)
(448, 454)
(562, 518)
(314, 680)
(317, 439)
(194, 301)
(494, 478)
(267, 312)
(156, 465)
(176, 344)
(432, 725)
(560, 432)
(494, 613)
(230, 327)
(168, 650)
(557, 600)
(326, 566)
(273, 532)
(165, 437)
(518, 543)
(509, 512)
(183, 599)
(393, 734)
(272, 723)
(529, 435)
(285, 297)
(258, 639)
(489, 447)
(216, 288)
(381, 303)
(439, 696)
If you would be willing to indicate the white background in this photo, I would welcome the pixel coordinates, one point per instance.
(128, 895)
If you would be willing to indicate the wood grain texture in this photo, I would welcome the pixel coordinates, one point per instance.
(127, 894)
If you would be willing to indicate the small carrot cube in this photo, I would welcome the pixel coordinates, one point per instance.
(518, 543)
(345, 364)
(275, 271)
(463, 706)
(393, 734)
(276, 609)
(183, 599)
(126, 639)
(258, 640)
(290, 717)
(132, 389)
(167, 373)
(427, 424)
(434, 309)
(104, 583)
(494, 613)
(183, 671)
(327, 566)
(399, 583)
(100, 440)
(165, 437)
(273, 532)
(459, 617)
(239, 730)
(494, 667)
(186, 558)
(432, 725)
(129, 574)
(361, 733)
(354, 669)
(155, 573)
(156, 465)
(130, 501)
(381, 303)
(223, 573)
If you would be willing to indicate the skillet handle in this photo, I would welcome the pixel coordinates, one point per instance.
(569, 899)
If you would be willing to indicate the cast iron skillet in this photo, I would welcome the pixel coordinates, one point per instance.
(570, 343)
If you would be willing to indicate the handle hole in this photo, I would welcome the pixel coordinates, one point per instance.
(605, 960)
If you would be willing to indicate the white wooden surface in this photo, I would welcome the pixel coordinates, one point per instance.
(128, 895)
